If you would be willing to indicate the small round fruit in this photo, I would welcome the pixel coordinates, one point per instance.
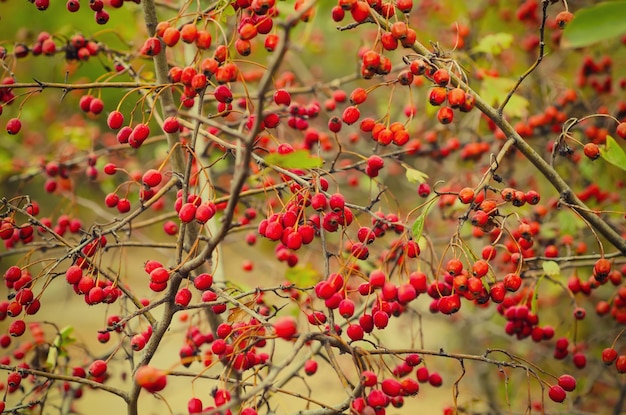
(285, 327)
(557, 393)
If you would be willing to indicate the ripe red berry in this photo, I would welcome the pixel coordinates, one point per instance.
(152, 178)
(285, 327)
(72, 5)
(187, 212)
(98, 368)
(351, 115)
(441, 77)
(151, 47)
(567, 382)
(563, 18)
(282, 97)
(14, 125)
(591, 150)
(96, 106)
(336, 202)
(223, 94)
(609, 355)
(620, 364)
(621, 130)
(423, 190)
(151, 379)
(557, 393)
(115, 120)
(437, 96)
(17, 328)
(310, 367)
(171, 125)
(203, 281)
(445, 115)
(456, 97)
(466, 195)
(189, 32)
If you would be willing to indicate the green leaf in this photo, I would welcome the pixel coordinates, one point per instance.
(494, 91)
(302, 276)
(418, 225)
(63, 339)
(594, 24)
(494, 44)
(299, 159)
(551, 268)
(613, 153)
(415, 176)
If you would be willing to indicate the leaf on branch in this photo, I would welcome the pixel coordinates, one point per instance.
(415, 176)
(418, 225)
(302, 276)
(594, 24)
(613, 153)
(494, 91)
(494, 44)
(299, 159)
(551, 268)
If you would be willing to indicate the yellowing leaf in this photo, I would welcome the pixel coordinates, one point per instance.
(551, 268)
(299, 159)
(415, 176)
(494, 44)
(302, 276)
(494, 91)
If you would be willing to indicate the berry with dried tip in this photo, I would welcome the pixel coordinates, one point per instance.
(563, 18)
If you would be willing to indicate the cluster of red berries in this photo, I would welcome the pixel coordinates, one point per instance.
(391, 391)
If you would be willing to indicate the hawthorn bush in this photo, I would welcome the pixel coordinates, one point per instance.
(322, 207)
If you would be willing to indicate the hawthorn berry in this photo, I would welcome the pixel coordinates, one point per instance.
(97, 368)
(567, 382)
(441, 77)
(445, 115)
(621, 130)
(591, 150)
(151, 379)
(282, 97)
(609, 355)
(285, 327)
(14, 125)
(557, 393)
(72, 5)
(563, 18)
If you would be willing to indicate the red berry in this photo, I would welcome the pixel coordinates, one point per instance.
(351, 115)
(282, 97)
(14, 125)
(151, 379)
(17, 328)
(285, 327)
(115, 120)
(557, 393)
(441, 77)
(621, 130)
(310, 367)
(609, 355)
(72, 5)
(567, 382)
(203, 281)
(445, 115)
(171, 125)
(591, 150)
(563, 18)
(152, 178)
(98, 368)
